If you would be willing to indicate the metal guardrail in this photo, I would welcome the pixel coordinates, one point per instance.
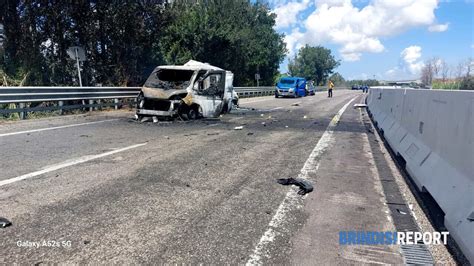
(44, 94)
(20, 96)
(24, 98)
(245, 92)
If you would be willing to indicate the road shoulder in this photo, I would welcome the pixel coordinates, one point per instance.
(349, 193)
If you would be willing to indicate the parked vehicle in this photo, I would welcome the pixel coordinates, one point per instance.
(291, 86)
(191, 91)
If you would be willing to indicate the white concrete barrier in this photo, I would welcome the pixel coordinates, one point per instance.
(434, 132)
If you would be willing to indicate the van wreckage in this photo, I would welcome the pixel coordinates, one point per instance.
(190, 91)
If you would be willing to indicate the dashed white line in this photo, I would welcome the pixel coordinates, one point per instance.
(67, 164)
(52, 128)
(276, 108)
(292, 200)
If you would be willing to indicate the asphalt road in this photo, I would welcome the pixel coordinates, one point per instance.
(105, 188)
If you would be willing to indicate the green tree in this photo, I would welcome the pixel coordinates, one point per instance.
(360, 82)
(125, 40)
(313, 63)
(235, 35)
(118, 38)
(337, 79)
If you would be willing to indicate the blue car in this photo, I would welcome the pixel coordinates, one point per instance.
(291, 87)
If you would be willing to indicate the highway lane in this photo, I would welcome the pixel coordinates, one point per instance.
(195, 192)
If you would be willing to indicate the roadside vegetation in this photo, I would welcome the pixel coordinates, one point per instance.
(441, 76)
(6, 80)
(125, 40)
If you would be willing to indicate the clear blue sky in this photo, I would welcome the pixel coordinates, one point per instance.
(390, 39)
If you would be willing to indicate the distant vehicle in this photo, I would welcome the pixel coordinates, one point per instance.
(291, 86)
(356, 87)
(191, 91)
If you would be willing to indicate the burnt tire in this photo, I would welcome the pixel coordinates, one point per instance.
(192, 114)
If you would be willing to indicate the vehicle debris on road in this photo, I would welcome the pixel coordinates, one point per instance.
(4, 222)
(304, 185)
(360, 105)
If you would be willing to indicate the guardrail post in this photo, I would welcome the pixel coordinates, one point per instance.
(116, 101)
(90, 107)
(22, 114)
(60, 104)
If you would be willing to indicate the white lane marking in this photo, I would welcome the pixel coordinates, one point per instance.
(52, 128)
(256, 101)
(276, 108)
(292, 200)
(67, 164)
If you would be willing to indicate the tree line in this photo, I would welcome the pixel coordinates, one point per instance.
(438, 74)
(314, 63)
(125, 40)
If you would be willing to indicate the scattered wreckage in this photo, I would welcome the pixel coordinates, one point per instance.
(190, 91)
(304, 185)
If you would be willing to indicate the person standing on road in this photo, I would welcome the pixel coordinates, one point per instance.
(331, 85)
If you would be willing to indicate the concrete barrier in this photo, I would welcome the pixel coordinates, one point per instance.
(434, 133)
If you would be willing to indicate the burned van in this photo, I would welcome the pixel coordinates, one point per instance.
(190, 91)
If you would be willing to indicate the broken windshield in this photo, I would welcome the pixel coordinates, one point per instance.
(170, 79)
